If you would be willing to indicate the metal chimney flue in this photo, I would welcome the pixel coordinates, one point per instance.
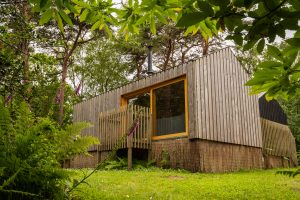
(150, 70)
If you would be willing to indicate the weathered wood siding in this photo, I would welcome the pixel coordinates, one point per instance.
(89, 110)
(278, 140)
(223, 109)
(220, 108)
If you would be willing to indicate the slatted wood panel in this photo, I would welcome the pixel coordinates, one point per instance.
(219, 106)
(222, 106)
(278, 140)
(114, 124)
(111, 100)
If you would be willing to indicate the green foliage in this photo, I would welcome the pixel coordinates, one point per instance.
(99, 14)
(122, 164)
(165, 159)
(10, 76)
(119, 163)
(278, 77)
(100, 69)
(292, 109)
(32, 150)
(290, 173)
(251, 24)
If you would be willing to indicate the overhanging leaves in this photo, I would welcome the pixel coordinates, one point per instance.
(189, 19)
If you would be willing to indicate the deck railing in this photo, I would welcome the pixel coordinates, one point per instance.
(114, 124)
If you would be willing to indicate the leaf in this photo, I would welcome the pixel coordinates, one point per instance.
(59, 22)
(205, 31)
(297, 34)
(280, 30)
(205, 7)
(248, 3)
(84, 15)
(108, 31)
(142, 19)
(81, 4)
(290, 24)
(260, 46)
(211, 24)
(96, 25)
(161, 18)
(46, 16)
(295, 42)
(221, 3)
(238, 3)
(269, 65)
(275, 52)
(238, 39)
(65, 17)
(189, 19)
(59, 3)
(190, 30)
(43, 3)
(152, 25)
(70, 7)
(249, 45)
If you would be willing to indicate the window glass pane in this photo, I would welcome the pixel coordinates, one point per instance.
(170, 109)
(140, 100)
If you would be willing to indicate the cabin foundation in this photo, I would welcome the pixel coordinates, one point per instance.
(207, 156)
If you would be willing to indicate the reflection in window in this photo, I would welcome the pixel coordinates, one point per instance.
(170, 109)
(140, 100)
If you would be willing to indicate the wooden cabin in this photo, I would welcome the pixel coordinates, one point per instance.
(198, 117)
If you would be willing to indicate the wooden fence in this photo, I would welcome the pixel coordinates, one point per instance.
(114, 124)
(278, 140)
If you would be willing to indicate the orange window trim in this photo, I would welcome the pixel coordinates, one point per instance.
(125, 97)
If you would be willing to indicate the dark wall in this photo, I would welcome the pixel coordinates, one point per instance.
(271, 110)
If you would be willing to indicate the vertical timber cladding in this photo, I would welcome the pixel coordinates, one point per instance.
(90, 110)
(219, 106)
(222, 108)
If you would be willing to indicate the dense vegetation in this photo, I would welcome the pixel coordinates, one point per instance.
(54, 53)
(33, 151)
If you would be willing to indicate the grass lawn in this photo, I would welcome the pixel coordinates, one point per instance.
(156, 183)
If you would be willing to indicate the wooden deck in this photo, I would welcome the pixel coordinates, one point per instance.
(115, 126)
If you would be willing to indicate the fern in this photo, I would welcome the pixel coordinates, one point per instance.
(290, 173)
(31, 152)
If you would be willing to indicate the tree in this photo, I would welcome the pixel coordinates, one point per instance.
(72, 19)
(98, 67)
(250, 24)
(16, 32)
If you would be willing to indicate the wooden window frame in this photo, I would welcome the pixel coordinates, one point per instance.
(150, 89)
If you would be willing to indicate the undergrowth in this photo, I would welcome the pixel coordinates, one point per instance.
(32, 151)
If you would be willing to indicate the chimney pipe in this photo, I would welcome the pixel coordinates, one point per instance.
(150, 70)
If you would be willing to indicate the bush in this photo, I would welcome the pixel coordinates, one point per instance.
(32, 151)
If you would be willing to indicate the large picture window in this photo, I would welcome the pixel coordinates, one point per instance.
(167, 102)
(169, 109)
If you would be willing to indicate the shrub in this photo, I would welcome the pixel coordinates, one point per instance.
(32, 151)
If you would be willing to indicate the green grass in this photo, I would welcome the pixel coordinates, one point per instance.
(172, 184)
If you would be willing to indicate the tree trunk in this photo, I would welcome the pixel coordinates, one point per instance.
(67, 55)
(24, 47)
(62, 89)
(204, 47)
(168, 55)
